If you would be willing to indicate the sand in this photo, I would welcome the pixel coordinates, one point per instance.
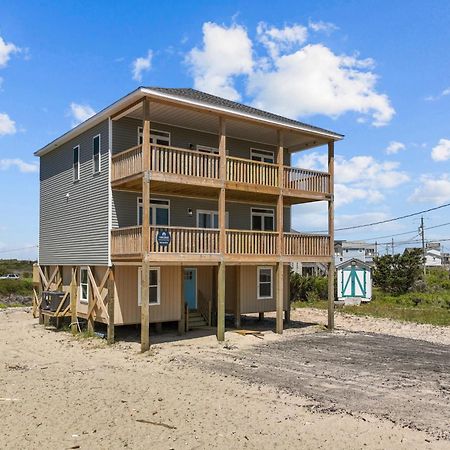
(60, 392)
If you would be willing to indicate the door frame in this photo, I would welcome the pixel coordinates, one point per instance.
(194, 269)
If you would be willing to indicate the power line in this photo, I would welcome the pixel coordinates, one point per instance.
(388, 220)
(18, 249)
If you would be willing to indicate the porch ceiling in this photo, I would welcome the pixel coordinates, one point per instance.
(185, 117)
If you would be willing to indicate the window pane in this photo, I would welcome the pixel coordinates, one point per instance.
(162, 216)
(216, 220)
(140, 215)
(84, 291)
(204, 220)
(256, 223)
(264, 290)
(153, 293)
(153, 276)
(84, 276)
(96, 145)
(75, 155)
(265, 276)
(268, 223)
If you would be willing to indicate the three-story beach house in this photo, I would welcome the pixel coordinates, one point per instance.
(175, 205)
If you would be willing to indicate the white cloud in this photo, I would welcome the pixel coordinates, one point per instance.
(433, 98)
(394, 147)
(290, 78)
(7, 125)
(345, 195)
(326, 27)
(314, 80)
(278, 40)
(141, 65)
(442, 150)
(6, 50)
(80, 113)
(432, 190)
(226, 53)
(22, 166)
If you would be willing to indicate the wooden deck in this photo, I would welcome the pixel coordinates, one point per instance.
(193, 170)
(202, 244)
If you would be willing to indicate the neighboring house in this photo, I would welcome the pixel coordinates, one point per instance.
(445, 259)
(179, 200)
(347, 250)
(433, 258)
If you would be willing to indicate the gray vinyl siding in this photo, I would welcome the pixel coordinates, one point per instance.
(124, 211)
(74, 229)
(125, 136)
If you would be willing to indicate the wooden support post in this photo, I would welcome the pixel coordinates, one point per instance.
(331, 268)
(182, 321)
(237, 313)
(73, 302)
(221, 302)
(280, 297)
(280, 230)
(261, 316)
(111, 304)
(145, 301)
(91, 307)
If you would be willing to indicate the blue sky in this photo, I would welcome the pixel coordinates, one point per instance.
(378, 72)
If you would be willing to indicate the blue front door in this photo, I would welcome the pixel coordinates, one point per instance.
(190, 288)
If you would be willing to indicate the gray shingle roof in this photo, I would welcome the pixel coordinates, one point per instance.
(203, 97)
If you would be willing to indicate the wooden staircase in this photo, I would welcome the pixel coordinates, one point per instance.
(195, 320)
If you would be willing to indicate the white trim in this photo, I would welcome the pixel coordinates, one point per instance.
(73, 163)
(140, 132)
(211, 212)
(152, 199)
(196, 285)
(99, 136)
(85, 301)
(269, 212)
(138, 94)
(258, 282)
(262, 154)
(158, 285)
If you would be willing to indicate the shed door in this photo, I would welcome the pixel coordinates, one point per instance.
(354, 282)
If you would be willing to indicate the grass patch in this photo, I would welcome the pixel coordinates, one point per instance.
(22, 287)
(426, 308)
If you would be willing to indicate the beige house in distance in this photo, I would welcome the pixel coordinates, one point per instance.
(173, 205)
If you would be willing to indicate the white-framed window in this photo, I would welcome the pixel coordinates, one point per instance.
(263, 219)
(257, 154)
(206, 149)
(96, 157)
(210, 219)
(76, 163)
(84, 285)
(154, 286)
(264, 282)
(158, 137)
(159, 211)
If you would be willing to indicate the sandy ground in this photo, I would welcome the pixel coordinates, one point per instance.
(277, 392)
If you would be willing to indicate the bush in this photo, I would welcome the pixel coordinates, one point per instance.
(309, 289)
(17, 287)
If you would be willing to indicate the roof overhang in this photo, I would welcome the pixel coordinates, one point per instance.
(130, 103)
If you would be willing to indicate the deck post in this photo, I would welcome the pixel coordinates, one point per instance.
(111, 301)
(182, 321)
(331, 268)
(145, 300)
(237, 313)
(221, 302)
(280, 297)
(91, 307)
(280, 229)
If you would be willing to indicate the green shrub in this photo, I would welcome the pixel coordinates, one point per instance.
(17, 287)
(309, 289)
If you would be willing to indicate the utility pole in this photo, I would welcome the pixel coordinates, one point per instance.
(392, 246)
(376, 248)
(422, 233)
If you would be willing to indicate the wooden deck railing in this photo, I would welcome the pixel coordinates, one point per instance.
(247, 171)
(126, 241)
(246, 242)
(180, 161)
(306, 180)
(296, 244)
(127, 163)
(186, 240)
